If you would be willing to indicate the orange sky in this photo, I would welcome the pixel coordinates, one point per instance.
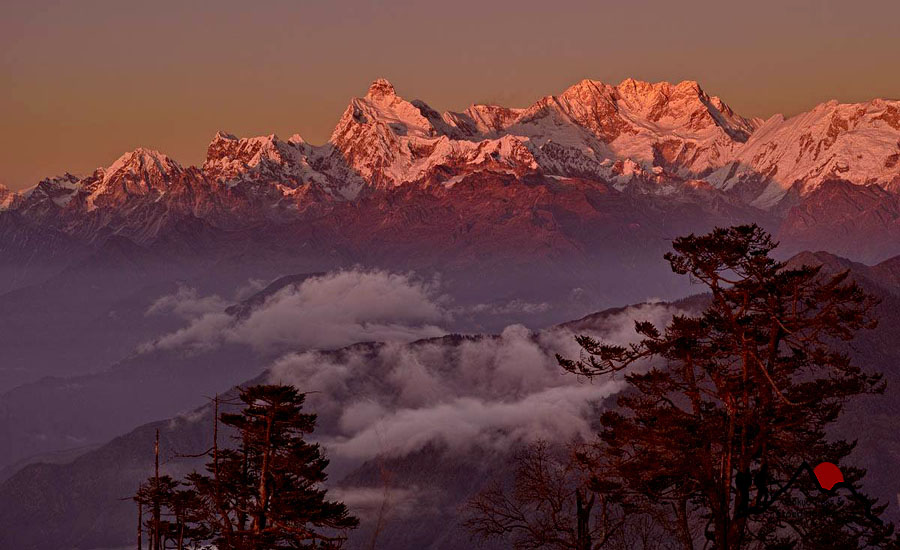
(83, 81)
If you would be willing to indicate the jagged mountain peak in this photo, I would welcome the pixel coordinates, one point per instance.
(224, 141)
(588, 87)
(229, 157)
(381, 88)
(609, 111)
(141, 154)
(381, 107)
(658, 101)
(138, 173)
(64, 178)
(643, 94)
(141, 161)
(48, 195)
(483, 119)
(633, 85)
(635, 90)
(692, 85)
(222, 135)
(7, 197)
(385, 113)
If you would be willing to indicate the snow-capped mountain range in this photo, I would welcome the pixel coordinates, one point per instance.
(635, 138)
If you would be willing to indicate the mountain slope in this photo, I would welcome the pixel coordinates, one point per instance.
(859, 143)
(857, 221)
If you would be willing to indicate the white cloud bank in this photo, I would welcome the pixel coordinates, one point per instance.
(397, 398)
(187, 304)
(332, 310)
(489, 392)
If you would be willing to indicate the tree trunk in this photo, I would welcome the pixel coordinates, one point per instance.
(684, 527)
(154, 545)
(225, 521)
(583, 513)
(260, 521)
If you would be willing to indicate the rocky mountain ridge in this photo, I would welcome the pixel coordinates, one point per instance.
(651, 137)
(597, 169)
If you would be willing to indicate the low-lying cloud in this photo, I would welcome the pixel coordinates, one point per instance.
(554, 414)
(370, 502)
(187, 304)
(326, 311)
(512, 307)
(460, 392)
(404, 393)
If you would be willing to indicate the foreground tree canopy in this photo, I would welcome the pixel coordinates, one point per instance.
(723, 408)
(264, 492)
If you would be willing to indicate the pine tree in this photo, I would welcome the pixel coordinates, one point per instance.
(722, 408)
(185, 526)
(178, 523)
(155, 494)
(265, 492)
